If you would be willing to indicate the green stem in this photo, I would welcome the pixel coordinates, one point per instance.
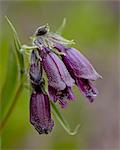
(17, 94)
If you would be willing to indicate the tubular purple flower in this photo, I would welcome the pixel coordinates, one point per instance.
(40, 116)
(59, 80)
(81, 71)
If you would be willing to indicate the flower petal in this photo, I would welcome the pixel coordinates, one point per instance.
(52, 93)
(77, 62)
(40, 116)
(58, 75)
(35, 71)
(87, 88)
(61, 96)
(71, 95)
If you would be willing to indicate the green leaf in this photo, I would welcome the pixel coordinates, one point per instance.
(61, 28)
(14, 31)
(62, 121)
(10, 82)
(17, 43)
(19, 56)
(9, 87)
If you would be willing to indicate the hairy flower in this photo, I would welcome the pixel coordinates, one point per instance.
(81, 71)
(40, 116)
(59, 80)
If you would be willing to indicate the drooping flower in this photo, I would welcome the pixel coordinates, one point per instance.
(81, 71)
(60, 82)
(40, 116)
(78, 65)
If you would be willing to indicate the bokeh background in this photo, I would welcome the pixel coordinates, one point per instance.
(94, 27)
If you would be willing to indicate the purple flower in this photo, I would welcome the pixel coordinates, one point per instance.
(40, 116)
(81, 71)
(59, 80)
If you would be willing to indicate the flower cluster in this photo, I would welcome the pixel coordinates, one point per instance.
(64, 67)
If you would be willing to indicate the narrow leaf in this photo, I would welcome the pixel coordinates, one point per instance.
(19, 56)
(18, 46)
(62, 121)
(14, 31)
(10, 82)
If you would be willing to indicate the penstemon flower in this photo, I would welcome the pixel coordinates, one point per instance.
(64, 67)
(77, 64)
(60, 82)
(63, 71)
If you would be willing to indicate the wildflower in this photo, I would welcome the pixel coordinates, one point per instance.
(40, 116)
(60, 82)
(63, 70)
(81, 71)
(78, 66)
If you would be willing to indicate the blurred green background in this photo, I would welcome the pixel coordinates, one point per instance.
(94, 27)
